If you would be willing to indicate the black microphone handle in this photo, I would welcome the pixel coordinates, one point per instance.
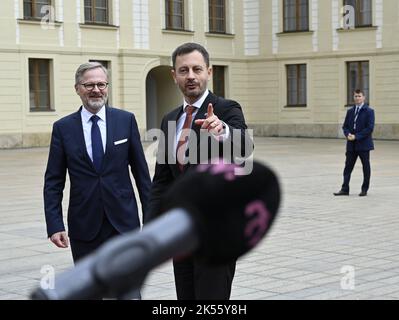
(122, 264)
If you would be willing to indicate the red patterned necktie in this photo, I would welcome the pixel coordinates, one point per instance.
(185, 132)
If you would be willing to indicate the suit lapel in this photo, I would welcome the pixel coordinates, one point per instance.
(171, 138)
(110, 125)
(365, 106)
(360, 111)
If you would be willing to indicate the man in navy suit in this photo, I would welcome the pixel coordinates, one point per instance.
(358, 128)
(218, 118)
(96, 145)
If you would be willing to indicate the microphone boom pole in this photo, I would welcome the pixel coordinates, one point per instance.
(123, 263)
(220, 217)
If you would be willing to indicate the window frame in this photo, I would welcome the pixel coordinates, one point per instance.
(298, 80)
(298, 17)
(219, 70)
(359, 81)
(213, 18)
(35, 86)
(358, 14)
(169, 15)
(93, 14)
(33, 4)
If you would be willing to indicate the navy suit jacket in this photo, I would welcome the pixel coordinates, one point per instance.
(94, 194)
(167, 171)
(364, 129)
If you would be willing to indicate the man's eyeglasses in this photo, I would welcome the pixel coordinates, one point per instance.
(90, 86)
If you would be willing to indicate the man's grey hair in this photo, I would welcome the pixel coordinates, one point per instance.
(86, 67)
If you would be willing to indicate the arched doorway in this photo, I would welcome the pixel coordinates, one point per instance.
(162, 95)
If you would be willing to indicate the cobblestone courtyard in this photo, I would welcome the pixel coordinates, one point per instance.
(314, 248)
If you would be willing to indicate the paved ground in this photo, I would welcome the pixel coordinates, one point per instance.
(321, 247)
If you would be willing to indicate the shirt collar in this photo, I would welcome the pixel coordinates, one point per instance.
(360, 106)
(86, 115)
(197, 104)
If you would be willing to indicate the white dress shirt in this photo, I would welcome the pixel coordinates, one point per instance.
(87, 123)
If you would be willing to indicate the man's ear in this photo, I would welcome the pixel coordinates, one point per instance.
(173, 72)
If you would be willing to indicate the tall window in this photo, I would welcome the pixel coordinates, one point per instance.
(363, 12)
(296, 85)
(219, 80)
(217, 16)
(358, 78)
(36, 9)
(174, 14)
(39, 85)
(296, 15)
(96, 11)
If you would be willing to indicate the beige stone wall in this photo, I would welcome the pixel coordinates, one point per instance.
(255, 62)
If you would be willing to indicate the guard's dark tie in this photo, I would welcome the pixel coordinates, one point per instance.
(96, 143)
(356, 115)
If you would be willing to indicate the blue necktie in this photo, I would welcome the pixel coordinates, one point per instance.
(96, 143)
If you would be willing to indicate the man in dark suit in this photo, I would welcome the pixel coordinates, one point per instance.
(96, 145)
(358, 128)
(203, 127)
